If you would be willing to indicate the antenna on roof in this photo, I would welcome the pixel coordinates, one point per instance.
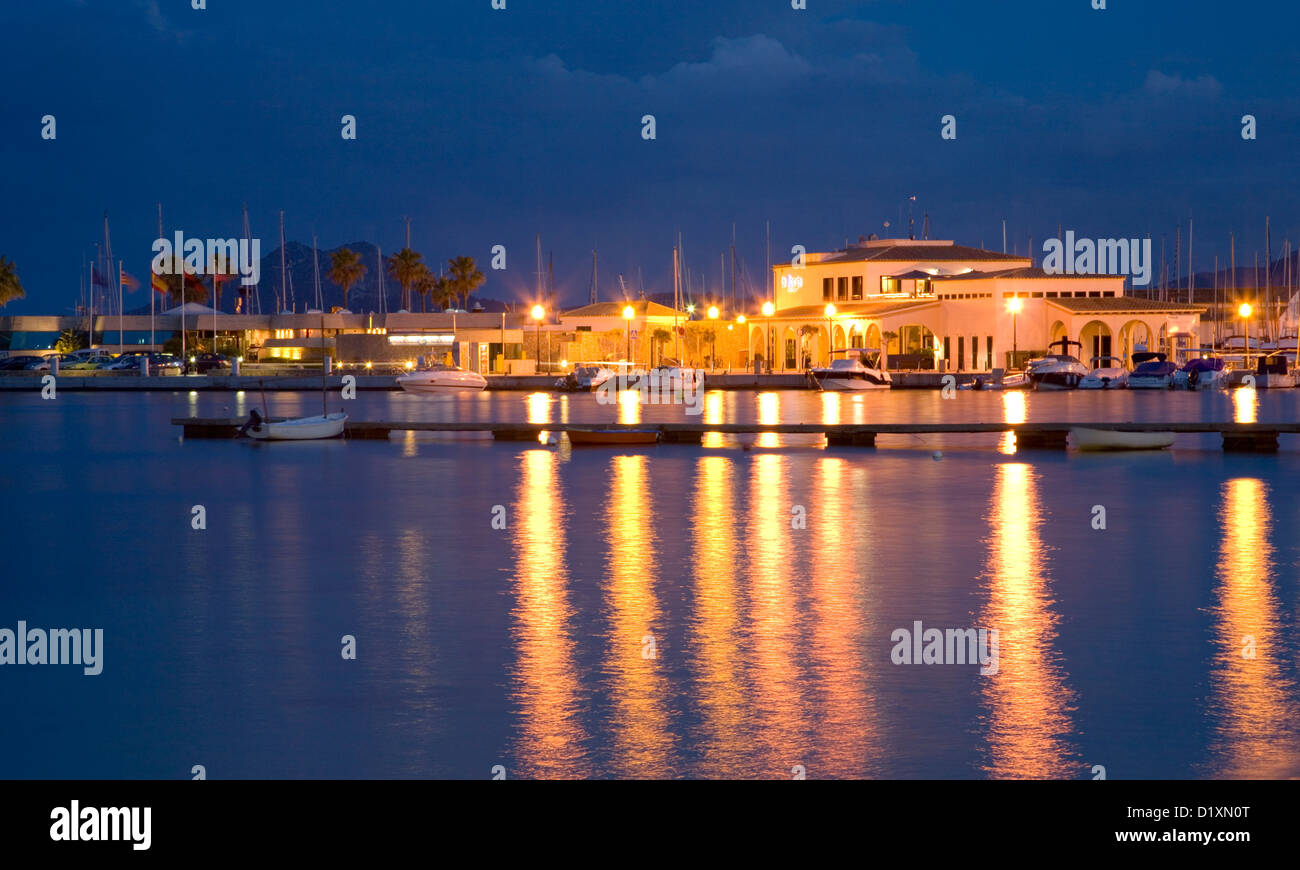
(925, 227)
(1004, 235)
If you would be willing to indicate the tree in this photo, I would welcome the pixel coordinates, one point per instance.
(345, 270)
(465, 276)
(426, 283)
(10, 287)
(661, 337)
(70, 340)
(444, 292)
(405, 266)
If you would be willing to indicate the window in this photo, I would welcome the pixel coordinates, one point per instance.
(826, 289)
(889, 285)
(961, 353)
(1052, 295)
(1093, 294)
(857, 287)
(989, 354)
(974, 352)
(789, 352)
(842, 289)
(1038, 295)
(947, 349)
(1108, 293)
(922, 287)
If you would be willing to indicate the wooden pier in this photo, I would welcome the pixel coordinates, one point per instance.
(1237, 437)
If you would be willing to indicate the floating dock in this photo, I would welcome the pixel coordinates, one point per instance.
(1237, 437)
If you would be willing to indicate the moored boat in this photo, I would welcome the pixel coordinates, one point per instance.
(1151, 371)
(297, 429)
(1058, 371)
(441, 379)
(1271, 372)
(597, 437)
(1104, 377)
(1110, 439)
(852, 374)
(584, 379)
(1203, 373)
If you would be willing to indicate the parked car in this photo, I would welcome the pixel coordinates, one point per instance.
(89, 363)
(168, 361)
(207, 362)
(38, 364)
(18, 363)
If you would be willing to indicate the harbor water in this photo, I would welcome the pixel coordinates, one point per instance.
(725, 610)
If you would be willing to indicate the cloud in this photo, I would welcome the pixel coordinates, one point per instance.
(1203, 86)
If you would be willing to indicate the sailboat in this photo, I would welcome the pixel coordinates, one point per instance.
(316, 428)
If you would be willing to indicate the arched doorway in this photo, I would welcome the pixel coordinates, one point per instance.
(758, 349)
(1096, 340)
(1134, 337)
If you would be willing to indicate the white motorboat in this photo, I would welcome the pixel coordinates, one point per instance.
(441, 379)
(1110, 439)
(1203, 373)
(852, 374)
(1106, 377)
(584, 378)
(1058, 371)
(298, 429)
(1151, 371)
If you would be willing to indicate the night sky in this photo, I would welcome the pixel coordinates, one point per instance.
(486, 127)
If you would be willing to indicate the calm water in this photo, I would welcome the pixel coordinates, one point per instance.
(648, 612)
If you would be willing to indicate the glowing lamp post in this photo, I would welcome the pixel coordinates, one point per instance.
(768, 310)
(628, 313)
(538, 313)
(1244, 310)
(1014, 305)
(830, 330)
(713, 343)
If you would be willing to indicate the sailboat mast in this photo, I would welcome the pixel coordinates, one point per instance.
(283, 301)
(1268, 280)
(677, 306)
(315, 265)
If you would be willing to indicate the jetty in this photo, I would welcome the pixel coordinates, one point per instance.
(1237, 437)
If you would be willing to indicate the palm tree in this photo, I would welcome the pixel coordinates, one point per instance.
(345, 270)
(10, 287)
(405, 266)
(444, 292)
(70, 340)
(465, 276)
(661, 337)
(426, 283)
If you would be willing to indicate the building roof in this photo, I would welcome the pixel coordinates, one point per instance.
(913, 253)
(863, 309)
(1034, 272)
(1123, 305)
(642, 307)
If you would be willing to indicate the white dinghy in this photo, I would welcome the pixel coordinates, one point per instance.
(1111, 439)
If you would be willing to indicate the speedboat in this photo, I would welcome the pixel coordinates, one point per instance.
(1058, 371)
(298, 429)
(1106, 377)
(1151, 371)
(1204, 373)
(441, 379)
(584, 379)
(852, 374)
(1110, 439)
(1271, 372)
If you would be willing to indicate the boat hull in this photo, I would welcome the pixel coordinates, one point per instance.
(1109, 439)
(419, 382)
(301, 429)
(1160, 382)
(1056, 380)
(1274, 381)
(1094, 382)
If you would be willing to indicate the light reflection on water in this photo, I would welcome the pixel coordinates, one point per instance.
(526, 646)
(1253, 700)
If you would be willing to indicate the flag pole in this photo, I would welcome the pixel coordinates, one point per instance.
(120, 345)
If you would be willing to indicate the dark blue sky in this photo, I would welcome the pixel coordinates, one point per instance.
(486, 127)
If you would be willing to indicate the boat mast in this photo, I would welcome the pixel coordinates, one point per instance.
(677, 289)
(248, 235)
(315, 264)
(283, 301)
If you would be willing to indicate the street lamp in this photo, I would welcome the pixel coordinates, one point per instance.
(768, 310)
(538, 313)
(628, 314)
(830, 331)
(1014, 305)
(1244, 310)
(713, 343)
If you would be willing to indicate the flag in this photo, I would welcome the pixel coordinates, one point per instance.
(158, 283)
(193, 280)
(129, 282)
(99, 279)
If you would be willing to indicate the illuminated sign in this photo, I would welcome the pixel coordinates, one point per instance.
(431, 338)
(792, 283)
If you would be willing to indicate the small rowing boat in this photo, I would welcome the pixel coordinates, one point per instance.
(299, 429)
(594, 437)
(1110, 439)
